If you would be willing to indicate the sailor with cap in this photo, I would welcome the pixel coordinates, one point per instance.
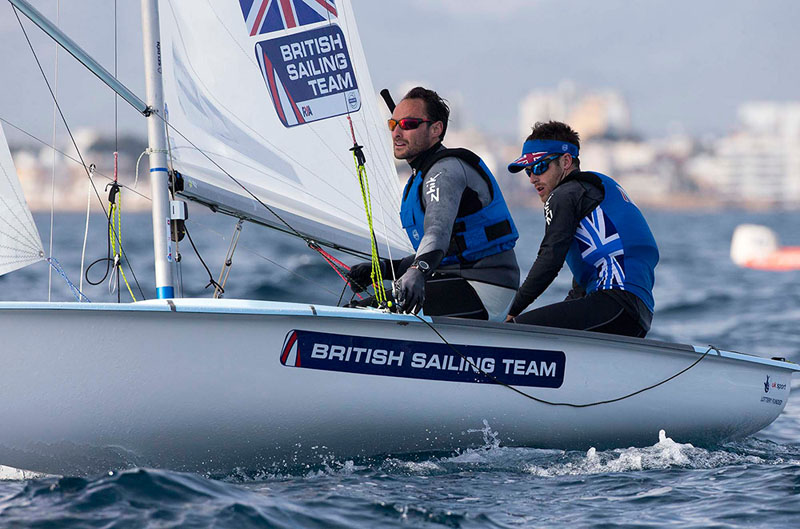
(592, 224)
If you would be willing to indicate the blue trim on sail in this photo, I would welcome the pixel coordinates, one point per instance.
(157, 169)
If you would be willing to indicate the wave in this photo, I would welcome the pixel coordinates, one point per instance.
(461, 489)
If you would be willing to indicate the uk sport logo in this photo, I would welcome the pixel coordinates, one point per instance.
(266, 16)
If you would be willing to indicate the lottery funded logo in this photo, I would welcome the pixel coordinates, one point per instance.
(309, 75)
(423, 360)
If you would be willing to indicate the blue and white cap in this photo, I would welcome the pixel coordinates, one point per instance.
(534, 150)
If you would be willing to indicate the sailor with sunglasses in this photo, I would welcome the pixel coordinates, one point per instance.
(592, 224)
(456, 219)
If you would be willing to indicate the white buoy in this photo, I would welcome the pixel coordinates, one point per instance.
(752, 242)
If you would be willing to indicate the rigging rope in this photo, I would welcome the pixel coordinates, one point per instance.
(69, 132)
(494, 379)
(86, 223)
(139, 159)
(115, 236)
(211, 281)
(53, 173)
(219, 288)
(363, 181)
(113, 259)
(339, 267)
(55, 265)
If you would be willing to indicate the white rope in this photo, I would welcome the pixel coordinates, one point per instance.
(86, 227)
(113, 276)
(146, 151)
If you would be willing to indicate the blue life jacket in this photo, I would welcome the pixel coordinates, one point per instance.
(488, 231)
(613, 247)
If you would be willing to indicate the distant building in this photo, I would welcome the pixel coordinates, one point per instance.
(652, 172)
(36, 174)
(592, 114)
(759, 164)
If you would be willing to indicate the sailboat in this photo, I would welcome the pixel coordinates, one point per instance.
(253, 108)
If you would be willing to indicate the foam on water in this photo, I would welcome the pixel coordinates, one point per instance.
(17, 474)
(665, 454)
(492, 456)
(333, 468)
(413, 467)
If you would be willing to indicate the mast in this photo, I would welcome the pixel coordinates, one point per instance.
(156, 136)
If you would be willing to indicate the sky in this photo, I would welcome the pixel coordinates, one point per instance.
(682, 65)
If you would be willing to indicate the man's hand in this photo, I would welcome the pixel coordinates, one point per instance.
(410, 291)
(577, 291)
(360, 276)
(510, 319)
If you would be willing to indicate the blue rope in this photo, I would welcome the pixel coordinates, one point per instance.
(75, 292)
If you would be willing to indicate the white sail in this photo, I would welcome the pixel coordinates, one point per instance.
(20, 244)
(265, 89)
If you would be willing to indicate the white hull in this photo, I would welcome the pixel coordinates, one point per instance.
(200, 386)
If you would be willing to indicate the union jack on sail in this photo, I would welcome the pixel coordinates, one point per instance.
(600, 243)
(265, 16)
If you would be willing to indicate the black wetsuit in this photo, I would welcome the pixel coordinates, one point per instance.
(610, 311)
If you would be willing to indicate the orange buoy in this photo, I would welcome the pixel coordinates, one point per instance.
(754, 246)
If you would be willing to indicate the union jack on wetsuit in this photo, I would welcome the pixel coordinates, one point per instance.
(590, 221)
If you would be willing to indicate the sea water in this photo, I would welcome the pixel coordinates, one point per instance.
(701, 298)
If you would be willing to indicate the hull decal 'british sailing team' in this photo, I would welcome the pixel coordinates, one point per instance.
(423, 360)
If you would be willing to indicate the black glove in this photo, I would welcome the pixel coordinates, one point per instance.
(410, 291)
(360, 276)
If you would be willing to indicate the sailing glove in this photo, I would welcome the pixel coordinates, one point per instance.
(410, 291)
(360, 275)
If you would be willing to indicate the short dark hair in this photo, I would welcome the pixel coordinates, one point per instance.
(555, 130)
(436, 107)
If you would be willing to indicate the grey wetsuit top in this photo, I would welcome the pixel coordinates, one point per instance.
(453, 188)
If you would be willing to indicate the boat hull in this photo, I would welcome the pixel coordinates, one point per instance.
(205, 385)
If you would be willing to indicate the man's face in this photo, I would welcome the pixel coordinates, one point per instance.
(408, 144)
(547, 181)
